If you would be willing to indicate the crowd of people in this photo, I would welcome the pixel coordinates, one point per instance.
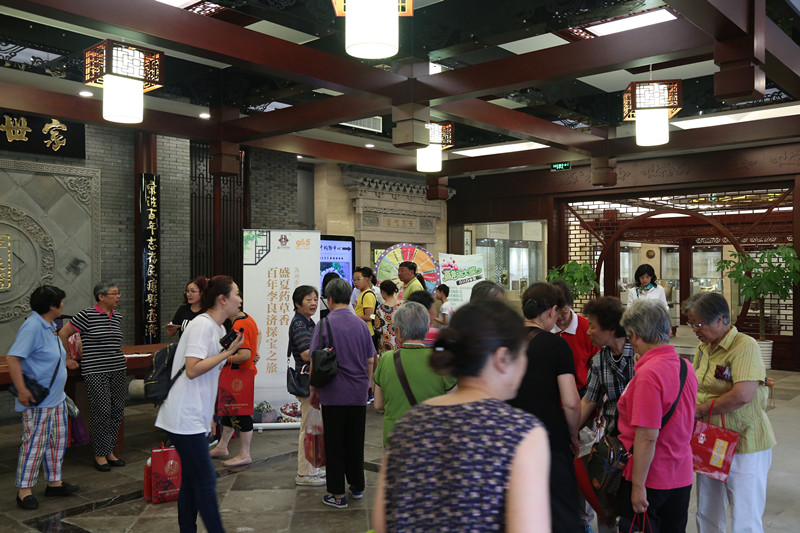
(482, 407)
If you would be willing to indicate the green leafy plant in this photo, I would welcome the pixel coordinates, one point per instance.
(771, 271)
(579, 276)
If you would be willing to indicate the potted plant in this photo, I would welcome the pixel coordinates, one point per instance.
(772, 271)
(579, 276)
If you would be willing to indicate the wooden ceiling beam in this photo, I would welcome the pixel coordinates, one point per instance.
(655, 44)
(34, 101)
(528, 158)
(492, 117)
(316, 114)
(345, 153)
(161, 26)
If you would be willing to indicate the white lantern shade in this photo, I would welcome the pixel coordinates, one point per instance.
(123, 99)
(429, 159)
(652, 127)
(372, 28)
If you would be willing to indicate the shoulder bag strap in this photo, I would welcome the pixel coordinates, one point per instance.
(401, 375)
(667, 416)
(58, 363)
(330, 333)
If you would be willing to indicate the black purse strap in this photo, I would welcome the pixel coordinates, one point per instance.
(401, 375)
(58, 363)
(330, 333)
(684, 372)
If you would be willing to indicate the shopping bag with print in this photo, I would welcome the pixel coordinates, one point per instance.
(314, 439)
(713, 448)
(235, 395)
(165, 474)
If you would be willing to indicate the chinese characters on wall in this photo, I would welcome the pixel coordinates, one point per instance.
(149, 234)
(280, 310)
(41, 135)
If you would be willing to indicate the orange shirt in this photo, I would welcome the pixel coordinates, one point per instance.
(250, 339)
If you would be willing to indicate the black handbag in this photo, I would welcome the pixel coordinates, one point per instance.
(324, 365)
(297, 382)
(39, 393)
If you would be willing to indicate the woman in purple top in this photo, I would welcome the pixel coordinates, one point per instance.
(344, 399)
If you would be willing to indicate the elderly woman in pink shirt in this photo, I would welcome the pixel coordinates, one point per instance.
(656, 417)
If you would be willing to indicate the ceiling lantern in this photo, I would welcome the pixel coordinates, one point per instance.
(125, 72)
(651, 104)
(429, 159)
(372, 29)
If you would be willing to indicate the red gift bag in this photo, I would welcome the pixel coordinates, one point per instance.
(314, 439)
(165, 474)
(713, 448)
(236, 388)
(148, 484)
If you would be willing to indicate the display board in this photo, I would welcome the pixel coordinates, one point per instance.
(337, 253)
(390, 259)
(460, 273)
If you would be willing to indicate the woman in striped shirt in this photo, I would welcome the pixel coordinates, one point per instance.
(103, 369)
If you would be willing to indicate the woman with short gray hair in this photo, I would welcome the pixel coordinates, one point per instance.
(656, 418)
(411, 325)
(487, 290)
(731, 375)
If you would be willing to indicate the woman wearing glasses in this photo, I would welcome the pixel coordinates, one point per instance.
(191, 306)
(103, 369)
(731, 373)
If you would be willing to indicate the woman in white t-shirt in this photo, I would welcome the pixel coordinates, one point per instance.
(187, 412)
(646, 287)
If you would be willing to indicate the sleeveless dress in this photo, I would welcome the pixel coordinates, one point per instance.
(448, 466)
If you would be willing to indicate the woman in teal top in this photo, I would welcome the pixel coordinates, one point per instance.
(411, 325)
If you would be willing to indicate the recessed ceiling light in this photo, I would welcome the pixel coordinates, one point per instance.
(504, 148)
(204, 115)
(369, 145)
(630, 23)
(86, 94)
(299, 157)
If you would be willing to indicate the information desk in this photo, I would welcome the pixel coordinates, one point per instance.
(137, 366)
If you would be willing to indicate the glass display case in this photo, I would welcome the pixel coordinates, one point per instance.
(705, 277)
(514, 252)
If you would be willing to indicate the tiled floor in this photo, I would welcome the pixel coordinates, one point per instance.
(263, 497)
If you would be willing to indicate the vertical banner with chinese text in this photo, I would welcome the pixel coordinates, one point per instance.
(275, 263)
(150, 243)
(460, 273)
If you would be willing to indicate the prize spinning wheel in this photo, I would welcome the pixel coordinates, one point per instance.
(390, 259)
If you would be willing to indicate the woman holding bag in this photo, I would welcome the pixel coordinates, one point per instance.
(187, 412)
(306, 300)
(730, 373)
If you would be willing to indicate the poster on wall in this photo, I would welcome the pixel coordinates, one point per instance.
(275, 263)
(460, 273)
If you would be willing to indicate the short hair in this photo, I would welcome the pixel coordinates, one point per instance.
(338, 290)
(367, 273)
(476, 330)
(421, 297)
(411, 265)
(217, 286)
(412, 319)
(389, 287)
(708, 306)
(300, 294)
(540, 297)
(564, 287)
(649, 319)
(641, 271)
(487, 290)
(325, 279)
(444, 289)
(102, 288)
(607, 311)
(45, 297)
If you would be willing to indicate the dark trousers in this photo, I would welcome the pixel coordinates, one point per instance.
(344, 446)
(667, 511)
(563, 492)
(198, 484)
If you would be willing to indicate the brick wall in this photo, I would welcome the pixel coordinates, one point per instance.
(273, 190)
(173, 167)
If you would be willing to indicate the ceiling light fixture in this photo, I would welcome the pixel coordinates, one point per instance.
(632, 22)
(372, 27)
(429, 159)
(651, 104)
(124, 72)
(86, 94)
(369, 145)
(205, 115)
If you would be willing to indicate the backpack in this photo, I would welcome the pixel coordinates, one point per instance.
(157, 381)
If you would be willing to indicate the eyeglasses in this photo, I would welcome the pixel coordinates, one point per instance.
(356, 280)
(192, 291)
(695, 326)
(111, 294)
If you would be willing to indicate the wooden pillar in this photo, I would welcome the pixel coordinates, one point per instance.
(685, 270)
(795, 346)
(611, 271)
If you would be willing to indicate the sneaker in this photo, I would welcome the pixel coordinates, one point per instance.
(356, 494)
(370, 398)
(309, 481)
(587, 529)
(333, 501)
